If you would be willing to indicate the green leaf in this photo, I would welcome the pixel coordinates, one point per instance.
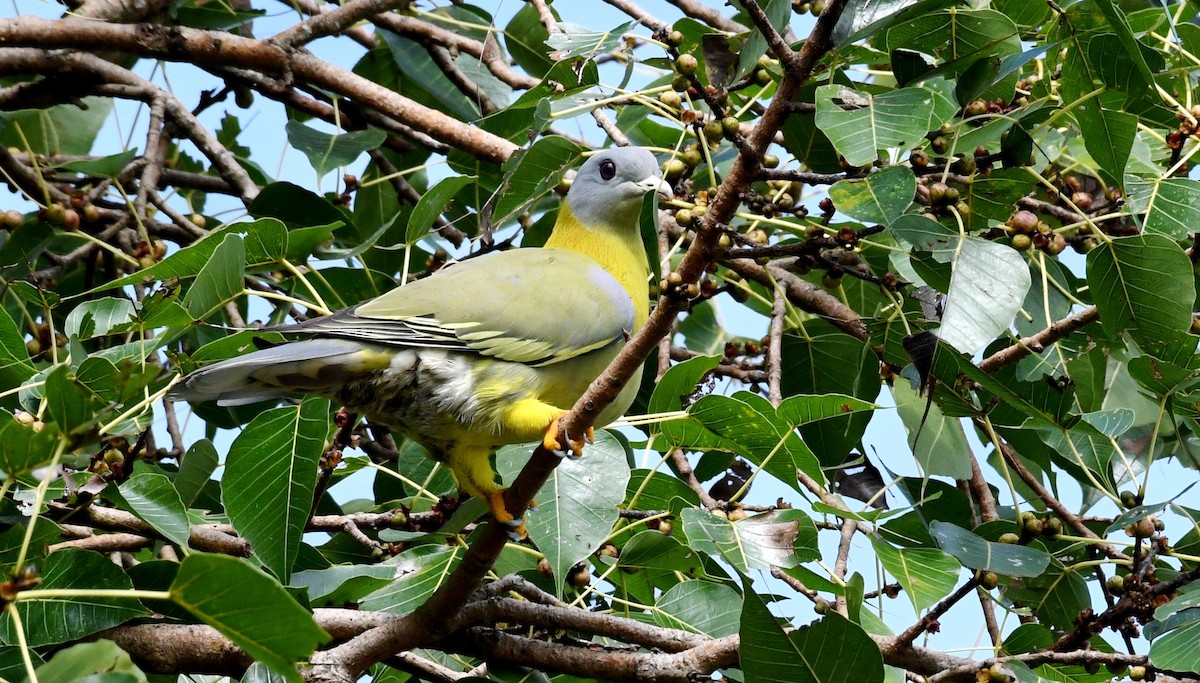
(926, 574)
(1133, 49)
(530, 175)
(525, 36)
(219, 281)
(431, 205)
(578, 503)
(781, 538)
(803, 410)
(327, 152)
(830, 364)
(78, 662)
(832, 650)
(1108, 136)
(68, 404)
(751, 425)
(197, 468)
(250, 608)
(881, 197)
(22, 448)
(425, 81)
(1176, 651)
(15, 366)
(104, 167)
(700, 607)
(67, 129)
(269, 478)
(1170, 206)
(654, 550)
(572, 41)
(343, 583)
(58, 620)
(987, 288)
(97, 317)
(419, 573)
(1143, 284)
(976, 553)
(674, 392)
(862, 125)
(152, 497)
(938, 442)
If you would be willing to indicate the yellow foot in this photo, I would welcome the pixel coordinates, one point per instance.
(516, 525)
(552, 443)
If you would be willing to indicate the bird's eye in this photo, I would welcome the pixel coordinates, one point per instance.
(608, 170)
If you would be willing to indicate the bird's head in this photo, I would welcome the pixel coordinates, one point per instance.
(609, 188)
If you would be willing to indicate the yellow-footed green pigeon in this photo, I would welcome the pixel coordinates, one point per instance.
(486, 352)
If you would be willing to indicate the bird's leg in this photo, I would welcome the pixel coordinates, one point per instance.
(574, 447)
(473, 471)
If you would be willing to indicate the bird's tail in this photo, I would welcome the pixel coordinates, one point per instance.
(316, 366)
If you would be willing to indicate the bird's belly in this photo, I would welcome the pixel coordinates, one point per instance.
(439, 398)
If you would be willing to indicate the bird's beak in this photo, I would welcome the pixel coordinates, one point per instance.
(656, 184)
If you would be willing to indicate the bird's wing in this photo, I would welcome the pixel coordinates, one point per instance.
(534, 306)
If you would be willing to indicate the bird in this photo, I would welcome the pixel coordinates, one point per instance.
(489, 351)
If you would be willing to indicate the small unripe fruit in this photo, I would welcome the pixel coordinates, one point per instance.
(13, 218)
(720, 513)
(1091, 667)
(1053, 527)
(831, 280)
(770, 161)
(713, 130)
(55, 214)
(1009, 538)
(91, 214)
(686, 64)
(665, 527)
(738, 514)
(684, 218)
(673, 169)
(198, 220)
(1023, 221)
(33, 347)
(975, 108)
(693, 157)
(1116, 584)
(70, 220)
(1022, 242)
(989, 580)
(675, 38)
(680, 83)
(544, 568)
(762, 77)
(730, 125)
(1129, 499)
(671, 99)
(820, 606)
(1056, 245)
(1082, 200)
(1034, 526)
(580, 578)
(243, 97)
(1137, 673)
(674, 279)
(940, 145)
(609, 550)
(918, 159)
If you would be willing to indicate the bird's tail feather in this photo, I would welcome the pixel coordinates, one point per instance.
(316, 365)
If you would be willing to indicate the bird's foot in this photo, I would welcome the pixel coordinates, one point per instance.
(573, 448)
(516, 525)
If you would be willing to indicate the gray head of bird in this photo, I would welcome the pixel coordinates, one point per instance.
(609, 187)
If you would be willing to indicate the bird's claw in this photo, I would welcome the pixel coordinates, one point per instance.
(573, 449)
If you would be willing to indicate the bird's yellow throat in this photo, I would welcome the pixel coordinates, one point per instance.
(622, 257)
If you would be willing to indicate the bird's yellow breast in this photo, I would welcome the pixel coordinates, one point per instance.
(621, 255)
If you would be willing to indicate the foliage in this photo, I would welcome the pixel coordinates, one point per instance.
(981, 214)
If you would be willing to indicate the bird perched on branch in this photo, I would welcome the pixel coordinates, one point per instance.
(487, 352)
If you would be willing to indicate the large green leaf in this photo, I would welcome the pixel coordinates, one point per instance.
(23, 448)
(758, 433)
(976, 553)
(419, 572)
(987, 287)
(1143, 284)
(431, 205)
(49, 621)
(327, 152)
(151, 496)
(938, 442)
(832, 650)
(831, 364)
(862, 125)
(219, 281)
(578, 503)
(61, 129)
(927, 574)
(250, 608)
(881, 197)
(79, 662)
(269, 478)
(531, 174)
(700, 607)
(1108, 136)
(781, 538)
(1169, 206)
